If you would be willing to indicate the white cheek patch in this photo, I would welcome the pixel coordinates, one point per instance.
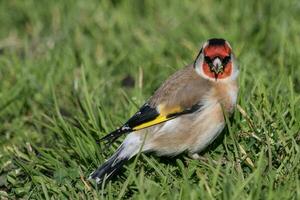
(198, 66)
(199, 70)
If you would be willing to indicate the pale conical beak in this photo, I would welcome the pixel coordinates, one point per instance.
(217, 66)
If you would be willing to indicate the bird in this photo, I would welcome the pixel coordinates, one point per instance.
(184, 115)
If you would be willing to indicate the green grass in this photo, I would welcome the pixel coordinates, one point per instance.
(61, 71)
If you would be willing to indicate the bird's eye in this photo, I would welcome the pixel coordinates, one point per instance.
(226, 60)
(207, 60)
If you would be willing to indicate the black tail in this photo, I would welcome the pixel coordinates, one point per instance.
(109, 168)
(113, 136)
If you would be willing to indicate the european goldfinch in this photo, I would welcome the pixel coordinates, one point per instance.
(185, 114)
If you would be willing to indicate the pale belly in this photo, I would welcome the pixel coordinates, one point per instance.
(190, 133)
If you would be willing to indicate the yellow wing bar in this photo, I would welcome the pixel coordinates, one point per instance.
(157, 120)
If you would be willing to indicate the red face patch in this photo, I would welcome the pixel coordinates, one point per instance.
(217, 50)
(221, 51)
(226, 73)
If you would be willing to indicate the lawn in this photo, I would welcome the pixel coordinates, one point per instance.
(72, 71)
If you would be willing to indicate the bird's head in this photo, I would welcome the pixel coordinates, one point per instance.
(216, 61)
